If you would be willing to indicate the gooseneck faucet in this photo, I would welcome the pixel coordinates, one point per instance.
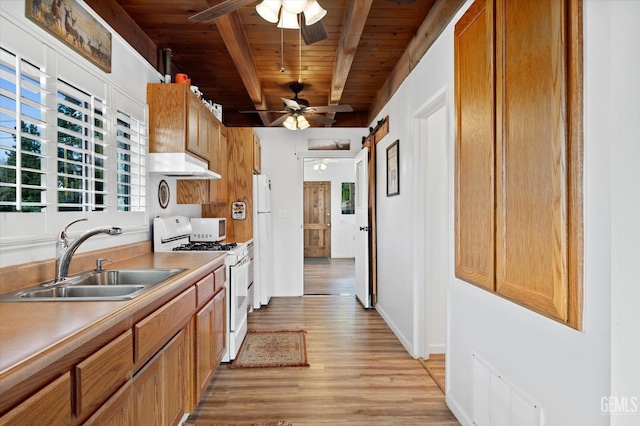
(65, 248)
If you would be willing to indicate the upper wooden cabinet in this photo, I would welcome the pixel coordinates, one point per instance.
(179, 121)
(519, 153)
(218, 187)
(257, 155)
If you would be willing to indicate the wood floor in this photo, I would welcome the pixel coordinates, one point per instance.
(359, 373)
(435, 366)
(336, 277)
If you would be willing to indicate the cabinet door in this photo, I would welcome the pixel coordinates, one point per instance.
(219, 326)
(147, 394)
(52, 403)
(205, 130)
(193, 128)
(257, 155)
(175, 379)
(204, 348)
(218, 187)
(474, 151)
(531, 216)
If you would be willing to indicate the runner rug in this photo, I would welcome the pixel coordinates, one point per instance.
(272, 349)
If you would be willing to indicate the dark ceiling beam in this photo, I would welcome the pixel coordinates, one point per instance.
(434, 24)
(123, 24)
(355, 17)
(235, 39)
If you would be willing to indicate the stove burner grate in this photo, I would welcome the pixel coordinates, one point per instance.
(206, 246)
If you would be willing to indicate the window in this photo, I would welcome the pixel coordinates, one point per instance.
(23, 177)
(66, 149)
(131, 172)
(82, 156)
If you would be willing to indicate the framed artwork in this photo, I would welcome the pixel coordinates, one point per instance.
(69, 22)
(329, 144)
(393, 169)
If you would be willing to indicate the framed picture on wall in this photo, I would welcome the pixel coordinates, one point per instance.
(72, 24)
(393, 169)
(348, 203)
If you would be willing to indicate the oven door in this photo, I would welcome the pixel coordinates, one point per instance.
(239, 281)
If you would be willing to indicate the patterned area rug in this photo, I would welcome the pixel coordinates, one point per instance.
(272, 349)
(281, 423)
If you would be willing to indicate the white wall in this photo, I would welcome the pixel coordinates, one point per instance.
(283, 152)
(615, 83)
(342, 225)
(566, 372)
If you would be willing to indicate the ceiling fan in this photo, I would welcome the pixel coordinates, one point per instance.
(297, 111)
(312, 32)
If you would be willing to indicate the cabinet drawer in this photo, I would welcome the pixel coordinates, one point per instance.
(103, 373)
(52, 403)
(153, 332)
(116, 411)
(220, 275)
(204, 289)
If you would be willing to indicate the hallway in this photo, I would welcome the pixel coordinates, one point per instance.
(359, 373)
(333, 276)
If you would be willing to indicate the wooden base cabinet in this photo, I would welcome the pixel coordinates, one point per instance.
(160, 388)
(518, 155)
(210, 330)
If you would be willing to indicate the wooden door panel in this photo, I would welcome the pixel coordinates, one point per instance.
(531, 215)
(474, 152)
(317, 219)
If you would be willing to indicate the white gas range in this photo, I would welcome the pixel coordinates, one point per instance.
(175, 233)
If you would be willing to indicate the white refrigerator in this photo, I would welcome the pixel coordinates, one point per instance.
(262, 242)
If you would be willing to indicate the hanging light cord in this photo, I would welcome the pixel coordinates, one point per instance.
(281, 49)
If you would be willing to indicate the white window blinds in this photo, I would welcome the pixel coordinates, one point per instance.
(23, 177)
(132, 148)
(82, 153)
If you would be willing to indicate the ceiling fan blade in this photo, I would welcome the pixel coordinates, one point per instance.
(314, 32)
(279, 121)
(333, 108)
(220, 9)
(291, 104)
(262, 110)
(321, 118)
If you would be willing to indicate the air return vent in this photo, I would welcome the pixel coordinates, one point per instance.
(496, 402)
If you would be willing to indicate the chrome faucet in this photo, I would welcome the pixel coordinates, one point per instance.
(65, 248)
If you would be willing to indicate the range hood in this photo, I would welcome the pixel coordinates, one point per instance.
(180, 165)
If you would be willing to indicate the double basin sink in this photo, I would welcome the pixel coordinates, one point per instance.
(116, 284)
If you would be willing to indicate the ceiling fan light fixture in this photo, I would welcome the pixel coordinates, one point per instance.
(269, 9)
(313, 12)
(290, 123)
(303, 123)
(294, 6)
(288, 20)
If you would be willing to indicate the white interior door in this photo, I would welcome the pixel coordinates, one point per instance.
(363, 290)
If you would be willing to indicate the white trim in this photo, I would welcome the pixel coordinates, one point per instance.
(421, 336)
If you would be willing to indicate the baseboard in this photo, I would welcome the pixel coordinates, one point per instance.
(457, 411)
(405, 342)
(439, 348)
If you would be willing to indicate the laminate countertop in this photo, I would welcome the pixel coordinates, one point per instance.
(35, 335)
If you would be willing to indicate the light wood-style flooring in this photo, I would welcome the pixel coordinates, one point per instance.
(359, 373)
(336, 277)
(435, 366)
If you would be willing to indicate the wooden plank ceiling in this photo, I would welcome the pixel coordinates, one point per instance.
(236, 60)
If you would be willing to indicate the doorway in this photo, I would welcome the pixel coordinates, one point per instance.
(329, 266)
(432, 128)
(317, 220)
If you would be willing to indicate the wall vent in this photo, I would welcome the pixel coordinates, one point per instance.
(497, 402)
